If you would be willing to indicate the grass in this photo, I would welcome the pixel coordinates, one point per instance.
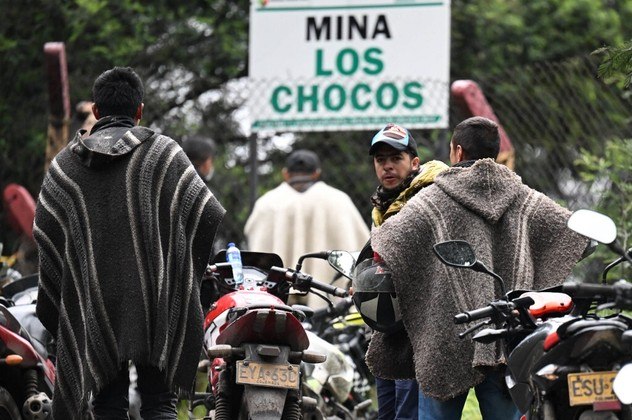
(471, 410)
(199, 412)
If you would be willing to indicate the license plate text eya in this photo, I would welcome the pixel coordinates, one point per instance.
(267, 374)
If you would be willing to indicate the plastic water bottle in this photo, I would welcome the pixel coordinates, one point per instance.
(233, 256)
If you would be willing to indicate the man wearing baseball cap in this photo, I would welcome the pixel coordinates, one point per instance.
(401, 176)
(398, 170)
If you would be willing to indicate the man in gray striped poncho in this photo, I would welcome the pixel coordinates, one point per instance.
(124, 227)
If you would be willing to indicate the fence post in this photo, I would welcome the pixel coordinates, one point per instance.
(59, 99)
(253, 170)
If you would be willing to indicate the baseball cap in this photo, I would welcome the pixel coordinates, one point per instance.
(395, 136)
(302, 160)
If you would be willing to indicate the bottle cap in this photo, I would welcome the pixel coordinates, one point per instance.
(231, 244)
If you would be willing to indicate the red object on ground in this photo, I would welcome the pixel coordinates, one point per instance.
(20, 208)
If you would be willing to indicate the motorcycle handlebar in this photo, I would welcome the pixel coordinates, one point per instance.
(500, 306)
(473, 315)
(327, 288)
(589, 290)
(296, 278)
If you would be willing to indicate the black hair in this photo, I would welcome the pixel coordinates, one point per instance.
(302, 161)
(478, 137)
(198, 148)
(118, 91)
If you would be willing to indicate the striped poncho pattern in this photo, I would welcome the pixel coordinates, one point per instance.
(124, 236)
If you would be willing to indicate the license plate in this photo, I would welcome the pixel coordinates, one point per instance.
(268, 374)
(589, 388)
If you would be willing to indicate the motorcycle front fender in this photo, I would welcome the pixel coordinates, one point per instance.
(520, 392)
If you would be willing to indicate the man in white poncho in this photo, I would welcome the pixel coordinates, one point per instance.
(304, 214)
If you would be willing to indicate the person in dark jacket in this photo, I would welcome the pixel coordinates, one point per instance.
(124, 227)
(516, 231)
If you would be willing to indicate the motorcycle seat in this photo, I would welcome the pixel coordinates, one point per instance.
(579, 325)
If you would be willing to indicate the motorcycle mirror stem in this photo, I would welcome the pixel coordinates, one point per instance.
(616, 262)
(481, 268)
(320, 255)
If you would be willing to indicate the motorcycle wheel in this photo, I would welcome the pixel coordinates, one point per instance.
(8, 408)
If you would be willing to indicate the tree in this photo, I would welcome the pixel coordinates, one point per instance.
(191, 53)
(617, 63)
(184, 51)
(610, 176)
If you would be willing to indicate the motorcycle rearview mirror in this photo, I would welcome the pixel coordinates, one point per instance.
(460, 254)
(593, 225)
(342, 261)
(456, 253)
(622, 385)
(600, 228)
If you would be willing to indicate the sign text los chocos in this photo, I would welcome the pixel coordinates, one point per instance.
(347, 62)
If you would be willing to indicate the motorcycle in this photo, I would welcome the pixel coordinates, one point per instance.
(27, 370)
(256, 344)
(564, 360)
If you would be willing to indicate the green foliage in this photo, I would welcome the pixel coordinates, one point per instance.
(182, 50)
(188, 53)
(489, 36)
(611, 178)
(617, 63)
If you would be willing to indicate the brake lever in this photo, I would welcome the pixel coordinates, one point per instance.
(474, 328)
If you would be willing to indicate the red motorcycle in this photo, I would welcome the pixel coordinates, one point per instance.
(256, 343)
(27, 371)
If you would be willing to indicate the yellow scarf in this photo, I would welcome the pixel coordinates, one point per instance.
(426, 176)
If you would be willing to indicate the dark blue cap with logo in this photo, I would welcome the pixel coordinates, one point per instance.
(395, 136)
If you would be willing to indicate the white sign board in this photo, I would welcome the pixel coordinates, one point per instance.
(323, 65)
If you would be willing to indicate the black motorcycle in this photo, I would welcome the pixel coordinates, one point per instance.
(564, 360)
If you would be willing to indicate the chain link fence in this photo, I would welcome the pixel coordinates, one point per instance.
(346, 103)
(550, 111)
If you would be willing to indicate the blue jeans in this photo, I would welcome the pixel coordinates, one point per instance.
(493, 399)
(397, 400)
(158, 402)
